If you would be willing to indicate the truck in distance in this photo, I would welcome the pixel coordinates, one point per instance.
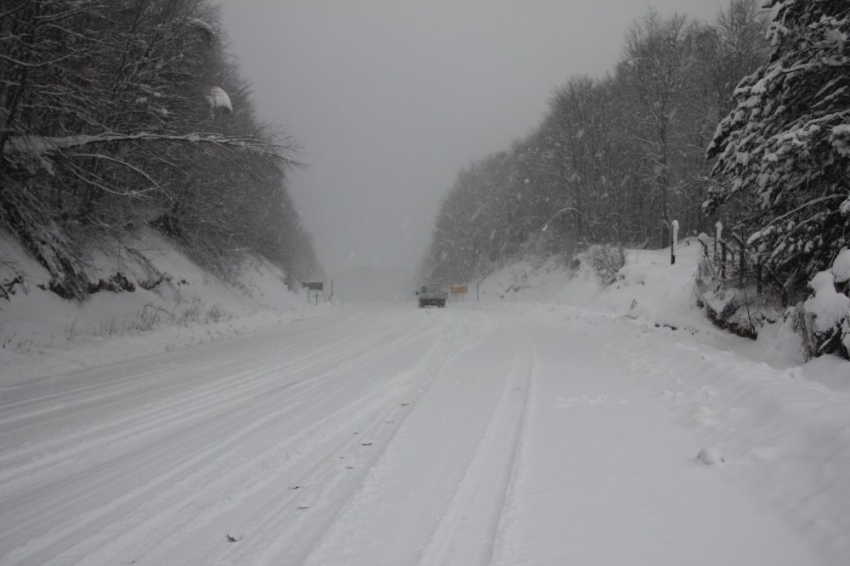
(432, 296)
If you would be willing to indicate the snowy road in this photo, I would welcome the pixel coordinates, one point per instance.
(385, 436)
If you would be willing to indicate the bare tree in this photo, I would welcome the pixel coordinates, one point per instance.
(658, 60)
(123, 113)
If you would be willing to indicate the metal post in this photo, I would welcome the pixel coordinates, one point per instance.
(675, 226)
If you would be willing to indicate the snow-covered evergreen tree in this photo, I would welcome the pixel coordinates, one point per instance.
(788, 142)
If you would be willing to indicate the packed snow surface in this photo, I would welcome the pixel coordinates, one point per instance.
(522, 432)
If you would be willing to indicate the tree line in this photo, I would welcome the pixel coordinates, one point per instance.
(615, 159)
(120, 114)
(745, 121)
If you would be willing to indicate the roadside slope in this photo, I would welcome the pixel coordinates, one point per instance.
(164, 303)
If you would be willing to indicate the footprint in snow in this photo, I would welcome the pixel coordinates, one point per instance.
(705, 392)
(794, 373)
(711, 456)
(703, 416)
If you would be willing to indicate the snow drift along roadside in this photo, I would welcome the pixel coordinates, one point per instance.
(170, 294)
(649, 290)
(775, 424)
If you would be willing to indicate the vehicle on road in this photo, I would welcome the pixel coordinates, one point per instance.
(432, 296)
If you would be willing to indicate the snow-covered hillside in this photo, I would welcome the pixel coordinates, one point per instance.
(184, 305)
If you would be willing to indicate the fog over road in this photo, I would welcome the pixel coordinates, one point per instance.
(377, 436)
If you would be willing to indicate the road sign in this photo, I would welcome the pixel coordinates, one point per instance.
(314, 285)
(459, 290)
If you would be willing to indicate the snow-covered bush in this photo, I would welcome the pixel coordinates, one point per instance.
(606, 261)
(733, 303)
(740, 311)
(825, 316)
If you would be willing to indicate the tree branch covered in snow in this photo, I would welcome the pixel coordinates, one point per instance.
(37, 148)
(786, 142)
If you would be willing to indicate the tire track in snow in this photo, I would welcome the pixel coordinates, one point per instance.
(397, 510)
(103, 383)
(331, 477)
(467, 531)
(228, 426)
(45, 401)
(154, 421)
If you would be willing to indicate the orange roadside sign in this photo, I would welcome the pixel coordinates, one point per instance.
(459, 290)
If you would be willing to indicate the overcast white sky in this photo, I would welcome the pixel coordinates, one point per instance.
(389, 98)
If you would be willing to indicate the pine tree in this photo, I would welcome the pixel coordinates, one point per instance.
(787, 143)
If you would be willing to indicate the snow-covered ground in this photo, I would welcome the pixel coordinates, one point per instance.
(553, 424)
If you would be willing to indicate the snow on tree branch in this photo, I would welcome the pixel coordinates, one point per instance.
(39, 146)
(217, 98)
(788, 140)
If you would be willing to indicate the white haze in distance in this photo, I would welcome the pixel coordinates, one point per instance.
(389, 98)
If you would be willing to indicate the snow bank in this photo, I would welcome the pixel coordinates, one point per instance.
(828, 306)
(771, 422)
(826, 312)
(173, 304)
(649, 290)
